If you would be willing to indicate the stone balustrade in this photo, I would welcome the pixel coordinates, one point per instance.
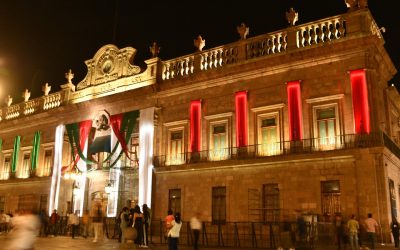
(350, 25)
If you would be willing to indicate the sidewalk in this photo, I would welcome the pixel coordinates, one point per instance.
(67, 243)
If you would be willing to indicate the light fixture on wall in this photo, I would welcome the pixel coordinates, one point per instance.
(108, 188)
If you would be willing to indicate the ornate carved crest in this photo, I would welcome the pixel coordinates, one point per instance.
(109, 64)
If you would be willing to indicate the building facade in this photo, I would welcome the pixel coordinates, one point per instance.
(300, 120)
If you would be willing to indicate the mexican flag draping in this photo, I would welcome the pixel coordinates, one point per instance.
(17, 144)
(77, 135)
(35, 150)
(122, 126)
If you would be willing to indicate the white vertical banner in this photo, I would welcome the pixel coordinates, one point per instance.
(80, 183)
(146, 135)
(57, 164)
(114, 176)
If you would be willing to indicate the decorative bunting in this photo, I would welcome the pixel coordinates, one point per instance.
(35, 150)
(17, 144)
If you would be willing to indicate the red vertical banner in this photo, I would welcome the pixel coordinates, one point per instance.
(294, 108)
(195, 126)
(359, 94)
(84, 130)
(241, 118)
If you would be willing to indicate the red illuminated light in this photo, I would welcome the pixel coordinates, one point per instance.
(360, 101)
(295, 114)
(195, 126)
(241, 118)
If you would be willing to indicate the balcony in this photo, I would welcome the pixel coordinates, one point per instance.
(305, 146)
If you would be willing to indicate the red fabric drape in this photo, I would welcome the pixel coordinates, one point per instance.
(195, 125)
(241, 118)
(116, 121)
(360, 101)
(294, 106)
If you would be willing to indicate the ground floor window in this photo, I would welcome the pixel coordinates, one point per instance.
(218, 205)
(271, 204)
(330, 195)
(175, 200)
(2, 203)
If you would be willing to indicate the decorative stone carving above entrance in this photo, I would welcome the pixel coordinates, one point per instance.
(109, 64)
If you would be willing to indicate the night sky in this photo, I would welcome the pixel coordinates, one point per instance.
(41, 39)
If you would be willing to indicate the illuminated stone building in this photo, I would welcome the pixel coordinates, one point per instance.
(296, 120)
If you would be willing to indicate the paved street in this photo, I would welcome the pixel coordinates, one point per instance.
(62, 242)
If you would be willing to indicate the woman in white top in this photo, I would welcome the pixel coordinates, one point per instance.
(173, 233)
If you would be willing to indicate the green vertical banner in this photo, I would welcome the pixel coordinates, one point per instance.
(35, 150)
(17, 144)
(1, 144)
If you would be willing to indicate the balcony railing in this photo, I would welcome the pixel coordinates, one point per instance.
(280, 149)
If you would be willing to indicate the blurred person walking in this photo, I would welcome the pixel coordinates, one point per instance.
(195, 225)
(167, 223)
(123, 223)
(146, 224)
(85, 224)
(97, 221)
(53, 223)
(44, 221)
(74, 222)
(24, 231)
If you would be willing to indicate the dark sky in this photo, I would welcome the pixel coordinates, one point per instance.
(41, 39)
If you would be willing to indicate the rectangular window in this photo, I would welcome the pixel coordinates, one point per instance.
(330, 195)
(219, 143)
(174, 200)
(175, 154)
(271, 203)
(26, 166)
(326, 123)
(269, 140)
(219, 205)
(48, 162)
(2, 203)
(5, 173)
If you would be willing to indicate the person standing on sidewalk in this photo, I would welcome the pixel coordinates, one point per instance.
(123, 223)
(371, 225)
(54, 220)
(195, 225)
(97, 221)
(173, 233)
(353, 227)
(85, 223)
(394, 228)
(146, 224)
(74, 220)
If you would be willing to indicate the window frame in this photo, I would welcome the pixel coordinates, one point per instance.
(214, 121)
(170, 128)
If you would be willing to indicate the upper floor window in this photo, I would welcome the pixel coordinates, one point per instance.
(176, 142)
(133, 148)
(268, 134)
(6, 170)
(219, 142)
(219, 136)
(326, 121)
(26, 165)
(175, 148)
(48, 162)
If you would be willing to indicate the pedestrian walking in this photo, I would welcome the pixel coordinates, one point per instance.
(146, 224)
(85, 224)
(167, 223)
(394, 228)
(53, 223)
(173, 233)
(123, 223)
(195, 226)
(97, 221)
(371, 226)
(25, 228)
(353, 227)
(74, 222)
